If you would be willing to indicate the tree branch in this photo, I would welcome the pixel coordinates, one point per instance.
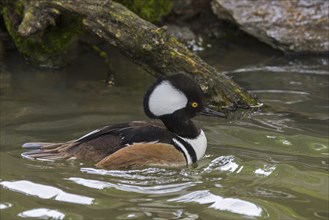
(149, 46)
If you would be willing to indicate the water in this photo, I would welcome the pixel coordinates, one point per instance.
(268, 164)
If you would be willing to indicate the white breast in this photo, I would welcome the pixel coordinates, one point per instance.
(199, 145)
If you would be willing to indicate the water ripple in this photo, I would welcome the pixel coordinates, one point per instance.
(143, 174)
(42, 213)
(278, 69)
(265, 171)
(5, 205)
(233, 205)
(45, 192)
(152, 189)
(281, 91)
(222, 163)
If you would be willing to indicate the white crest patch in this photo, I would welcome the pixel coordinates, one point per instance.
(166, 99)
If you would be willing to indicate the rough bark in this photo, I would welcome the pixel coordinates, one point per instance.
(140, 40)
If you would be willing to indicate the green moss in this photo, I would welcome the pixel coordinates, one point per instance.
(150, 10)
(47, 49)
(58, 38)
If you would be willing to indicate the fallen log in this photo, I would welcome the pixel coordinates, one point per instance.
(144, 43)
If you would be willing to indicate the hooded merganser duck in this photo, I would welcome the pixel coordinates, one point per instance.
(173, 99)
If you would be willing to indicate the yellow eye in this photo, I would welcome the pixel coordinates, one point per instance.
(194, 104)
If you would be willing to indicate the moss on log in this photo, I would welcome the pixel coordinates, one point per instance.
(149, 46)
(50, 48)
(150, 10)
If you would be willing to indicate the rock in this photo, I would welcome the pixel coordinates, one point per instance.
(183, 34)
(193, 23)
(186, 36)
(294, 26)
(187, 9)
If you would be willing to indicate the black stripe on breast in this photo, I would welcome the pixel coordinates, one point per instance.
(188, 147)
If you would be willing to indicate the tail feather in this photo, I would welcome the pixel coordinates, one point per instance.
(38, 145)
(39, 155)
(45, 151)
(32, 145)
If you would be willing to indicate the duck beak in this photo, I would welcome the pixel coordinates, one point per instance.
(209, 112)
